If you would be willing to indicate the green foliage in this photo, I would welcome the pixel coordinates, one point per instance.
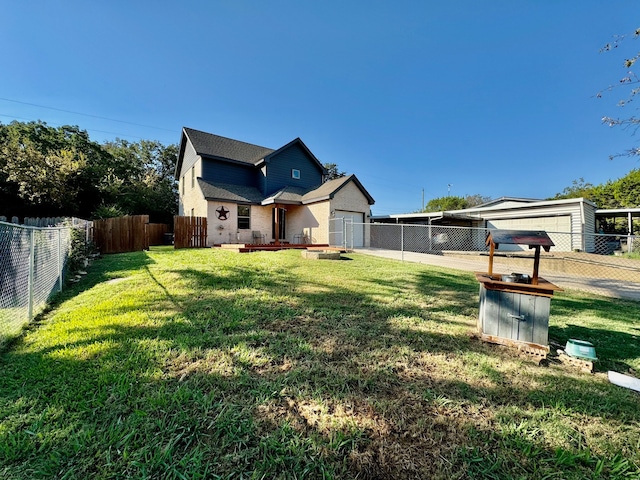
(43, 168)
(80, 252)
(140, 180)
(578, 189)
(621, 193)
(445, 203)
(452, 202)
(47, 171)
(475, 200)
(108, 211)
(332, 171)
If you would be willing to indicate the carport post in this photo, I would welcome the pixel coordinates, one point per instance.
(630, 237)
(344, 233)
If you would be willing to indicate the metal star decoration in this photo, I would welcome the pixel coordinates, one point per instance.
(222, 213)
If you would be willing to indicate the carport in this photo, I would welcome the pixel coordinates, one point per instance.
(603, 215)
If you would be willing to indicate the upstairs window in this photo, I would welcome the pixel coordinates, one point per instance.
(244, 217)
(193, 176)
(295, 173)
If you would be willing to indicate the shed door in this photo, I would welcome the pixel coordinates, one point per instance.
(515, 316)
(354, 227)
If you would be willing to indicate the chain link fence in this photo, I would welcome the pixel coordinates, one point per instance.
(33, 265)
(341, 232)
(600, 258)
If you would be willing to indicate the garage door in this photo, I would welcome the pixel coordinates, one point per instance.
(561, 223)
(354, 227)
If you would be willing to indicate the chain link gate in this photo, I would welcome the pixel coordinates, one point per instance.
(341, 232)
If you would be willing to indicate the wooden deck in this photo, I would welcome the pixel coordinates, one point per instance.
(270, 247)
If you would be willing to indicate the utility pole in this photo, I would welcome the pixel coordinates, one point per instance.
(449, 189)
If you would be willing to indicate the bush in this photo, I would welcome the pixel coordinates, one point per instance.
(81, 251)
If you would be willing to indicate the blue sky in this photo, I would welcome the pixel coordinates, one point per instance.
(491, 97)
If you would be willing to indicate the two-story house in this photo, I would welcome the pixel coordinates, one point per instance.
(253, 194)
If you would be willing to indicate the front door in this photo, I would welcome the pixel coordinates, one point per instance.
(278, 224)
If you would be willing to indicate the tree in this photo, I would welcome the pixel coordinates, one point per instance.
(333, 172)
(141, 180)
(455, 203)
(475, 200)
(579, 188)
(43, 167)
(621, 193)
(441, 204)
(630, 79)
(47, 171)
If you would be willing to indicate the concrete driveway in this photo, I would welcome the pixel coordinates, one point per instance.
(599, 286)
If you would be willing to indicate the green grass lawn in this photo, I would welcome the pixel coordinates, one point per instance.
(210, 364)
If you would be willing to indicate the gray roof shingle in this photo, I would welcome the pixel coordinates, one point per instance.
(329, 188)
(292, 195)
(229, 192)
(227, 148)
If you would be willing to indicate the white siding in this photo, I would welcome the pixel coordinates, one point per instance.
(550, 225)
(589, 227)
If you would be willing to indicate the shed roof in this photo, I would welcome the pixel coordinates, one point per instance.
(503, 204)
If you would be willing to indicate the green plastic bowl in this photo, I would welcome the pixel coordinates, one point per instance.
(580, 349)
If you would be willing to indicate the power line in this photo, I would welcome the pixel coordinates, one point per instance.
(86, 114)
(87, 129)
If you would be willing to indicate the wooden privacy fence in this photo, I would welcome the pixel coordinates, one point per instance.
(156, 233)
(127, 234)
(189, 232)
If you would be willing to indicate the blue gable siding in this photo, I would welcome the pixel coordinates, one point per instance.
(280, 166)
(227, 172)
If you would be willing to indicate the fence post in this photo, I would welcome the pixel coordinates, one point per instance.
(31, 270)
(402, 242)
(60, 261)
(344, 233)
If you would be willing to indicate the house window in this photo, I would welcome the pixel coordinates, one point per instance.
(193, 176)
(244, 217)
(193, 213)
(183, 184)
(295, 173)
